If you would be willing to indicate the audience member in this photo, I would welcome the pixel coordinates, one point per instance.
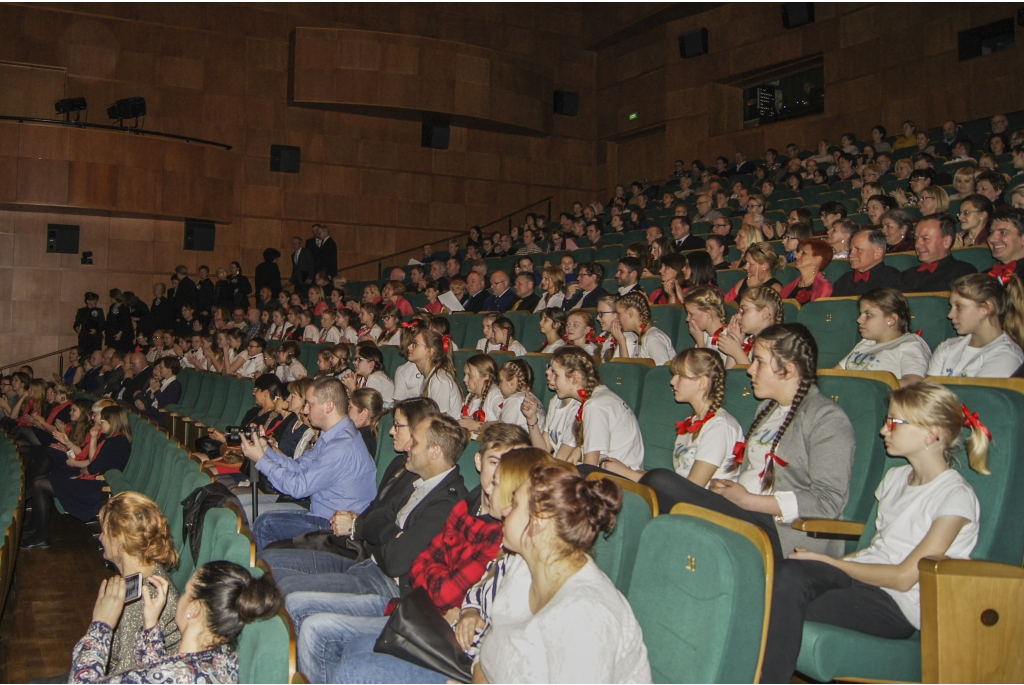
(886, 341)
(812, 256)
(868, 271)
(933, 241)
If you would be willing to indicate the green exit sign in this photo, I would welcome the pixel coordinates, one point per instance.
(633, 116)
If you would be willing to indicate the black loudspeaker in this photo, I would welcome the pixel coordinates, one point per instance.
(200, 235)
(567, 103)
(436, 135)
(1020, 17)
(693, 44)
(285, 158)
(62, 238)
(795, 14)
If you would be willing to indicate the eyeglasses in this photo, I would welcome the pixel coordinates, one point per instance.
(727, 225)
(891, 423)
(584, 273)
(968, 212)
(401, 425)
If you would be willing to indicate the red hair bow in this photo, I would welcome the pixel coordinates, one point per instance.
(974, 422)
(583, 401)
(592, 337)
(748, 344)
(411, 324)
(693, 424)
(768, 460)
(1002, 272)
(739, 451)
(643, 329)
(447, 341)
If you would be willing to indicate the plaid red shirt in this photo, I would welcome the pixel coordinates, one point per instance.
(457, 557)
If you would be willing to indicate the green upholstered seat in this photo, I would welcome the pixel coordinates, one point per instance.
(667, 317)
(265, 649)
(529, 335)
(727, 278)
(626, 379)
(700, 590)
(836, 268)
(739, 399)
(928, 315)
(539, 363)
(467, 465)
(659, 417)
(980, 257)
(393, 358)
(615, 552)
(833, 321)
(901, 261)
(458, 323)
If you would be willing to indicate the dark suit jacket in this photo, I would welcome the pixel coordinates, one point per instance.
(475, 303)
(303, 269)
(325, 257)
(881, 276)
(207, 293)
(268, 275)
(170, 395)
(111, 383)
(188, 291)
(502, 303)
(136, 385)
(395, 553)
(589, 299)
(690, 242)
(949, 269)
(90, 323)
(524, 304)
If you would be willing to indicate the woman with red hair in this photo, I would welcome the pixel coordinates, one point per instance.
(812, 256)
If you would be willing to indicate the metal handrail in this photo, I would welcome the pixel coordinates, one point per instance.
(42, 356)
(111, 127)
(508, 217)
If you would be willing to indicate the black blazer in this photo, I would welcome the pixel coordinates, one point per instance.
(268, 275)
(188, 291)
(136, 385)
(589, 299)
(325, 257)
(690, 242)
(303, 269)
(476, 302)
(111, 383)
(207, 294)
(525, 304)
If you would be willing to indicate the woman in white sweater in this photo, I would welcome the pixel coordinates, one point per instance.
(558, 618)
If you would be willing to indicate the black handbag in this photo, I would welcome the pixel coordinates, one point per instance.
(325, 541)
(418, 633)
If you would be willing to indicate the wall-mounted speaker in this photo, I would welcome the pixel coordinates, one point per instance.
(795, 14)
(693, 44)
(200, 235)
(567, 103)
(62, 238)
(1020, 17)
(436, 135)
(285, 158)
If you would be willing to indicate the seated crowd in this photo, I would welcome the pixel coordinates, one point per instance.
(508, 563)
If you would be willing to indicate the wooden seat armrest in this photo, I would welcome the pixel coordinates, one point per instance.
(829, 528)
(968, 568)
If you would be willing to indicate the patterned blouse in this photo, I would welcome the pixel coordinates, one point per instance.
(154, 664)
(122, 646)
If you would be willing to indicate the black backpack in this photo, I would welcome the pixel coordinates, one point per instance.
(194, 508)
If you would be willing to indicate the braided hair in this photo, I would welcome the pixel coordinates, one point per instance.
(576, 361)
(637, 301)
(486, 367)
(506, 326)
(610, 352)
(440, 359)
(701, 362)
(788, 343)
(519, 371)
(764, 297)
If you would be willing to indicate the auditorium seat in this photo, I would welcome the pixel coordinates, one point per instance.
(833, 322)
(615, 552)
(626, 378)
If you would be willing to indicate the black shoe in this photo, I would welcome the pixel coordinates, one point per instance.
(37, 544)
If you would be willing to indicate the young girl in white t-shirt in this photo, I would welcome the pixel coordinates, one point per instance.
(634, 316)
(392, 333)
(310, 333)
(604, 426)
(345, 318)
(503, 338)
(607, 317)
(368, 318)
(329, 333)
(287, 366)
(989, 321)
(552, 326)
(760, 307)
(484, 344)
(431, 354)
(483, 399)
(369, 373)
(705, 316)
(579, 330)
(515, 382)
(706, 441)
(925, 509)
(887, 343)
(553, 432)
(341, 361)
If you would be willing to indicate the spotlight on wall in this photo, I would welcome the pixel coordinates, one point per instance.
(128, 108)
(87, 258)
(68, 105)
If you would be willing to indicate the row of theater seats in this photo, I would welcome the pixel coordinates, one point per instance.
(12, 500)
(162, 469)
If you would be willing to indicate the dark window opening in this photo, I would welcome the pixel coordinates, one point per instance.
(987, 39)
(788, 97)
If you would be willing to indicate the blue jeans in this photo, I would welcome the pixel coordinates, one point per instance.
(326, 621)
(360, 664)
(285, 525)
(303, 570)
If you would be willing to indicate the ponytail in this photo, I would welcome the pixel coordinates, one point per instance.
(233, 598)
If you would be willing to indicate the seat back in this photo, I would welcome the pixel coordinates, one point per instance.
(530, 335)
(539, 363)
(727, 278)
(626, 378)
(928, 314)
(266, 649)
(902, 260)
(615, 552)
(979, 257)
(701, 591)
(658, 419)
(667, 318)
(191, 380)
(833, 322)
(393, 358)
(205, 397)
(458, 322)
(467, 465)
(739, 398)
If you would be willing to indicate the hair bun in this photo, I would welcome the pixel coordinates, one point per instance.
(258, 600)
(602, 501)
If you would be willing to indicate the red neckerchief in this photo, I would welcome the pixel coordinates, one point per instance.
(583, 401)
(714, 338)
(1002, 272)
(592, 337)
(361, 381)
(504, 348)
(607, 337)
(930, 268)
(478, 415)
(365, 330)
(748, 344)
(388, 333)
(859, 276)
(693, 424)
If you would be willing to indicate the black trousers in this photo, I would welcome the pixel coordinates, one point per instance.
(42, 501)
(816, 591)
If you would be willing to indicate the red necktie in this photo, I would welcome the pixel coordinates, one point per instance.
(930, 268)
(859, 276)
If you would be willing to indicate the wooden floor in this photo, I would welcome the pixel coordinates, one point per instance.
(50, 605)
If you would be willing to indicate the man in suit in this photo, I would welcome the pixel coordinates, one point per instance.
(188, 291)
(627, 275)
(161, 312)
(476, 293)
(526, 300)
(163, 389)
(502, 295)
(113, 374)
(207, 294)
(136, 379)
(90, 324)
(324, 250)
(682, 239)
(587, 290)
(742, 165)
(867, 250)
(933, 242)
(303, 265)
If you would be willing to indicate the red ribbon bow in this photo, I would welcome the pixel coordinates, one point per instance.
(919, 333)
(1002, 272)
(447, 341)
(592, 337)
(583, 401)
(504, 348)
(771, 457)
(717, 335)
(930, 268)
(739, 451)
(411, 324)
(643, 328)
(693, 424)
(859, 276)
(748, 344)
(974, 422)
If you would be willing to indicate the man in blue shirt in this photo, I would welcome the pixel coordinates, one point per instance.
(336, 475)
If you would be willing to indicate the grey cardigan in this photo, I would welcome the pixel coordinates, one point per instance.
(818, 448)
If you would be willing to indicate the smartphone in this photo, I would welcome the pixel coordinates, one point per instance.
(132, 588)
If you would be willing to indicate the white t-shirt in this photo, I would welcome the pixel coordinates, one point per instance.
(491, 404)
(515, 347)
(955, 357)
(279, 333)
(756, 459)
(445, 391)
(587, 633)
(512, 411)
(609, 427)
(204, 363)
(330, 335)
(558, 422)
(631, 339)
(408, 382)
(379, 381)
(374, 332)
(394, 340)
(655, 345)
(482, 344)
(557, 300)
(905, 515)
(292, 372)
(589, 348)
(908, 354)
(253, 366)
(551, 347)
(711, 342)
(351, 335)
(713, 443)
(311, 333)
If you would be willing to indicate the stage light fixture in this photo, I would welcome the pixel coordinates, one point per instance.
(87, 258)
(68, 105)
(127, 108)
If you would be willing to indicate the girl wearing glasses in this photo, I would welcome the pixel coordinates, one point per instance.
(369, 373)
(925, 508)
(759, 309)
(975, 221)
(607, 344)
(887, 343)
